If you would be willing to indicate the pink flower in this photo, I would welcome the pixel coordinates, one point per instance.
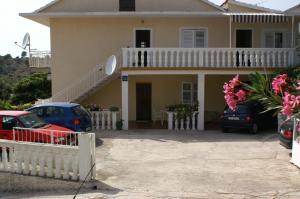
(241, 94)
(235, 81)
(280, 84)
(290, 104)
(232, 97)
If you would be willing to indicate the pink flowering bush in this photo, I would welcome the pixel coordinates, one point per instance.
(234, 94)
(280, 84)
(281, 95)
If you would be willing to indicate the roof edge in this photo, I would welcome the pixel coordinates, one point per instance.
(292, 8)
(252, 6)
(46, 6)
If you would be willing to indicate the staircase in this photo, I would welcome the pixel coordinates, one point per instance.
(88, 84)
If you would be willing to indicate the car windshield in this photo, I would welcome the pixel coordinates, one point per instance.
(32, 121)
(240, 109)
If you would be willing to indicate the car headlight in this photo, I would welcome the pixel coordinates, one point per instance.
(61, 139)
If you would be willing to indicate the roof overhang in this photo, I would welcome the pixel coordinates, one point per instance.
(44, 18)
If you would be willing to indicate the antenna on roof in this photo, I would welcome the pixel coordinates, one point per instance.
(25, 43)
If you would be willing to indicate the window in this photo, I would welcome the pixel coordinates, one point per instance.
(38, 111)
(277, 39)
(54, 112)
(126, 5)
(8, 122)
(189, 93)
(194, 38)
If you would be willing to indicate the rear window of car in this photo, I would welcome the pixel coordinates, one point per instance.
(240, 109)
(80, 111)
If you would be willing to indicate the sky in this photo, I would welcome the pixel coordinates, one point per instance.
(14, 27)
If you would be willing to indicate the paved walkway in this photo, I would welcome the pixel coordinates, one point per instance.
(162, 164)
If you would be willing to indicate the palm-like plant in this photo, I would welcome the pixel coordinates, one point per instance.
(260, 89)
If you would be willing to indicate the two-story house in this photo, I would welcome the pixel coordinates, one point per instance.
(168, 51)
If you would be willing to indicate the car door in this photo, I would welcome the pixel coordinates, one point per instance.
(7, 124)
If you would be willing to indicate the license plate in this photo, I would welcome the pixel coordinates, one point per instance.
(233, 118)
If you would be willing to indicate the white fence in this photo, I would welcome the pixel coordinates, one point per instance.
(184, 124)
(207, 57)
(47, 160)
(46, 136)
(105, 120)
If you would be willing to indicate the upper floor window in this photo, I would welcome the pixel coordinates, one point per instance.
(126, 5)
(194, 38)
(277, 39)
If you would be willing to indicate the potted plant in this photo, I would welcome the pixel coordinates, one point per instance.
(119, 125)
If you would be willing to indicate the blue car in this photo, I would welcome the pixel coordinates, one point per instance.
(69, 115)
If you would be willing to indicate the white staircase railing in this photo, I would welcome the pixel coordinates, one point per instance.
(86, 83)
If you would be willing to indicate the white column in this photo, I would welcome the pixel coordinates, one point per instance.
(201, 98)
(125, 101)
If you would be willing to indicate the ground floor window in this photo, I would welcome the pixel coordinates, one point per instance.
(189, 93)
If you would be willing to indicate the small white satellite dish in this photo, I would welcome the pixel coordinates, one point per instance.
(26, 40)
(110, 65)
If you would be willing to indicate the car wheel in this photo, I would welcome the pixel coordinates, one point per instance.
(254, 128)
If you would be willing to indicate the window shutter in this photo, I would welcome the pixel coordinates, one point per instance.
(287, 40)
(187, 39)
(200, 39)
(269, 40)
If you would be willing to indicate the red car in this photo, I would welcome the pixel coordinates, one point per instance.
(26, 126)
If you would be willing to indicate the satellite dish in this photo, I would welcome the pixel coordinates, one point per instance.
(110, 65)
(26, 40)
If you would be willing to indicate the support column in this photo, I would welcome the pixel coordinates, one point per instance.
(125, 101)
(201, 98)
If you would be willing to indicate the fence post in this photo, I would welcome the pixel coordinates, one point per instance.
(86, 156)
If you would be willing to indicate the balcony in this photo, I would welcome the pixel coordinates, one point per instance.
(40, 59)
(167, 58)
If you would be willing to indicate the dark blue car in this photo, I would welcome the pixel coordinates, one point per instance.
(69, 115)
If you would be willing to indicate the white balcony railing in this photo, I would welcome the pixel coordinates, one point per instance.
(40, 59)
(207, 57)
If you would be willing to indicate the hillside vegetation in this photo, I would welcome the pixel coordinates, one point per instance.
(20, 84)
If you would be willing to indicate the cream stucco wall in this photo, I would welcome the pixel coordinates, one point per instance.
(141, 5)
(80, 44)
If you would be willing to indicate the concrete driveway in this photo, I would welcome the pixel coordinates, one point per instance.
(163, 164)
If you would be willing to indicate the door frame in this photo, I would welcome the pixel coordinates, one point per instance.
(250, 28)
(134, 36)
(151, 100)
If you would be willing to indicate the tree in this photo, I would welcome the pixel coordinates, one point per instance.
(23, 54)
(5, 90)
(31, 88)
